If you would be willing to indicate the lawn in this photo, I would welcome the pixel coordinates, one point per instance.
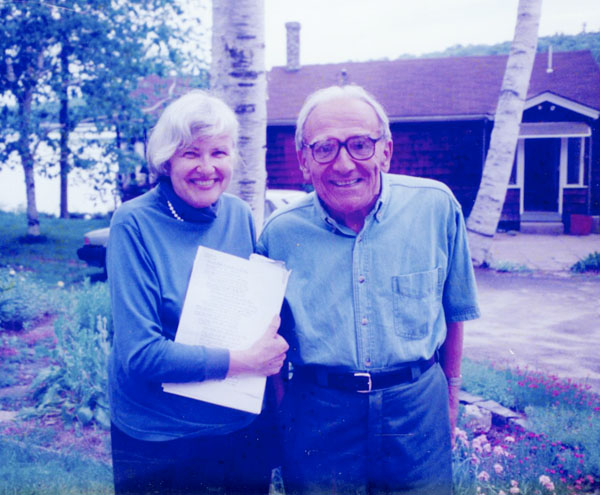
(55, 329)
(53, 258)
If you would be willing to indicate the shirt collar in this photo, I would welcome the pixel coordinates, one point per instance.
(184, 210)
(376, 212)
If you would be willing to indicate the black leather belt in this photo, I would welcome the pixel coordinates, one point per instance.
(364, 381)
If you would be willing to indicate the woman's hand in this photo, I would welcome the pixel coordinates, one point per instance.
(264, 358)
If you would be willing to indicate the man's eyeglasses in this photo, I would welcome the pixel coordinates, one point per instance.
(358, 147)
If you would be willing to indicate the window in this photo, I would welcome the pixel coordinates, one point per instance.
(513, 174)
(576, 153)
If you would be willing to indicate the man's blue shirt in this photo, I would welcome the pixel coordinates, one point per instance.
(381, 297)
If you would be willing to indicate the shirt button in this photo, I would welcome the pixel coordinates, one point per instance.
(361, 279)
(367, 362)
(364, 321)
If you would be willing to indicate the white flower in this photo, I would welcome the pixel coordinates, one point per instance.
(60, 283)
(498, 468)
(483, 476)
(546, 482)
(499, 451)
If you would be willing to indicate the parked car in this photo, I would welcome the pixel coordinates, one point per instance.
(93, 251)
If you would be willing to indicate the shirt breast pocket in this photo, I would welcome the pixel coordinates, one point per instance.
(417, 298)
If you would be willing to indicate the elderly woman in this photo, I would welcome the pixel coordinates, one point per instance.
(164, 443)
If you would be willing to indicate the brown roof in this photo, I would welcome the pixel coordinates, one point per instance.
(457, 87)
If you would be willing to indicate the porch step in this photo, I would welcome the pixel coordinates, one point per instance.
(541, 216)
(545, 228)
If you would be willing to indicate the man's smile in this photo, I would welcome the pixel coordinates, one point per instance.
(345, 183)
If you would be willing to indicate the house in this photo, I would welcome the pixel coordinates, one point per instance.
(442, 114)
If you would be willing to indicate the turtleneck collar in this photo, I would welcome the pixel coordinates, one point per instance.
(184, 210)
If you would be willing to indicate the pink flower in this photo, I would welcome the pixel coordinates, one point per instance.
(498, 468)
(479, 444)
(501, 492)
(461, 436)
(499, 451)
(483, 476)
(515, 489)
(474, 460)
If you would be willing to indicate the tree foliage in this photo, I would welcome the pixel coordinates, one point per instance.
(73, 62)
(560, 43)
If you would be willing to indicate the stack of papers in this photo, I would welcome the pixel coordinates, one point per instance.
(230, 302)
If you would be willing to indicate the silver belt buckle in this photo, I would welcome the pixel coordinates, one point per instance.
(370, 382)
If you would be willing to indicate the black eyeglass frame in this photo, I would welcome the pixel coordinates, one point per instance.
(343, 145)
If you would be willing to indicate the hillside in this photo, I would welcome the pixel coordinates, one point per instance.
(559, 42)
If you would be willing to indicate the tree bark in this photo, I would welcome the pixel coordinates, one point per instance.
(238, 76)
(483, 220)
(27, 161)
(64, 132)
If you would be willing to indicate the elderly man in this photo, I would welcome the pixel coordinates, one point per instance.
(381, 283)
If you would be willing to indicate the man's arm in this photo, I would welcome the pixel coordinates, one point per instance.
(450, 359)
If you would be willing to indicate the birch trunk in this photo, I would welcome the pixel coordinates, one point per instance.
(484, 218)
(64, 132)
(27, 161)
(238, 76)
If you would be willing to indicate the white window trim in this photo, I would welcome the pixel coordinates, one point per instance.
(562, 172)
(581, 183)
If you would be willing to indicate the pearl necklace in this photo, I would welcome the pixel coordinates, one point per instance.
(173, 212)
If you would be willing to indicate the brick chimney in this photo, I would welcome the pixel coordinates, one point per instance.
(293, 45)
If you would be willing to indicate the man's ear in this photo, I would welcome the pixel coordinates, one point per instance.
(303, 165)
(387, 156)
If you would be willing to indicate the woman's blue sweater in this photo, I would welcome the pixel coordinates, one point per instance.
(149, 259)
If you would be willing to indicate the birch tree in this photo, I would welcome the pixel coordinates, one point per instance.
(483, 220)
(90, 52)
(238, 76)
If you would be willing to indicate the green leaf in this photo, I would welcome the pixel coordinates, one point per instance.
(85, 415)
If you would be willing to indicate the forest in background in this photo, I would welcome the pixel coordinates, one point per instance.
(559, 42)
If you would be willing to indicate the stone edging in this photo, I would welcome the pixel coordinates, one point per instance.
(501, 415)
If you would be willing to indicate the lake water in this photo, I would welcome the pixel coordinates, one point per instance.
(82, 196)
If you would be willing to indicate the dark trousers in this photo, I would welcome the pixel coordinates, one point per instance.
(392, 441)
(238, 463)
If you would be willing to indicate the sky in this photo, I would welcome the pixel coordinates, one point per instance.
(359, 30)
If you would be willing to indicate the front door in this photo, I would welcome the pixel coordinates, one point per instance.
(542, 164)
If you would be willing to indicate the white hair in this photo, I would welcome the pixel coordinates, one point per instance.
(190, 116)
(333, 93)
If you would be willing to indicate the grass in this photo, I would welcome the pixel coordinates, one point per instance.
(561, 444)
(29, 470)
(509, 267)
(591, 263)
(53, 258)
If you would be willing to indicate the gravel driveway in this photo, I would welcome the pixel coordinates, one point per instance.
(545, 322)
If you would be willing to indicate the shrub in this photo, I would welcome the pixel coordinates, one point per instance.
(591, 263)
(22, 301)
(75, 385)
